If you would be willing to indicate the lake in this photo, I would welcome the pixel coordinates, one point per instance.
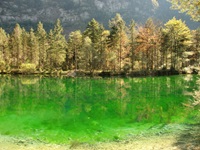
(61, 110)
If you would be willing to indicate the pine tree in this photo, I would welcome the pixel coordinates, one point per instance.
(196, 43)
(57, 47)
(104, 50)
(25, 46)
(43, 45)
(15, 44)
(94, 31)
(74, 49)
(118, 39)
(34, 48)
(178, 39)
(132, 41)
(86, 62)
(4, 53)
(192, 54)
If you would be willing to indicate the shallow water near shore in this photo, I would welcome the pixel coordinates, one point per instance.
(67, 110)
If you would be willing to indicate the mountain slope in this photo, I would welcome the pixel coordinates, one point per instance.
(75, 14)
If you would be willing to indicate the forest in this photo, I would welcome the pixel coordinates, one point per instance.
(51, 111)
(122, 48)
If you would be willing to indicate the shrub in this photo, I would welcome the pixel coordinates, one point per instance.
(2, 65)
(27, 68)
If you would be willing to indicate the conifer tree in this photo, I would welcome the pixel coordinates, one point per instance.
(196, 43)
(118, 39)
(43, 45)
(16, 46)
(132, 41)
(86, 62)
(94, 32)
(178, 39)
(4, 53)
(104, 50)
(74, 48)
(192, 54)
(25, 46)
(34, 48)
(57, 47)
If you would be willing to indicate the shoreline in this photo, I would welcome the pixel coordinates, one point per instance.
(187, 138)
(164, 142)
(141, 143)
(81, 73)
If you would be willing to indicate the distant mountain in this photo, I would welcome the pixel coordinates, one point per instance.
(75, 14)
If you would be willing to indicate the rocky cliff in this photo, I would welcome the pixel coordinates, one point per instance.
(75, 14)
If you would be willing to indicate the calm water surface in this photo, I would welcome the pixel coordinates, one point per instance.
(83, 109)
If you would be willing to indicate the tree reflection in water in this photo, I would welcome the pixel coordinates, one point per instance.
(93, 108)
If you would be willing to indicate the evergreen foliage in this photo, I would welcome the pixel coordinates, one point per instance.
(118, 41)
(148, 47)
(94, 32)
(178, 40)
(191, 7)
(57, 47)
(74, 54)
(43, 46)
(4, 55)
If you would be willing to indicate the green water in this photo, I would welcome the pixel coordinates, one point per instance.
(61, 110)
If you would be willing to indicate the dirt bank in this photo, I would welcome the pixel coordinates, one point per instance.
(187, 139)
(154, 143)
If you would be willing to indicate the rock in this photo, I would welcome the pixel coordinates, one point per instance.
(75, 14)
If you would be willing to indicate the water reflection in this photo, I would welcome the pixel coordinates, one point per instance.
(66, 106)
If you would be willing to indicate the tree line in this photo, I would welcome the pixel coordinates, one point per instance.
(122, 48)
